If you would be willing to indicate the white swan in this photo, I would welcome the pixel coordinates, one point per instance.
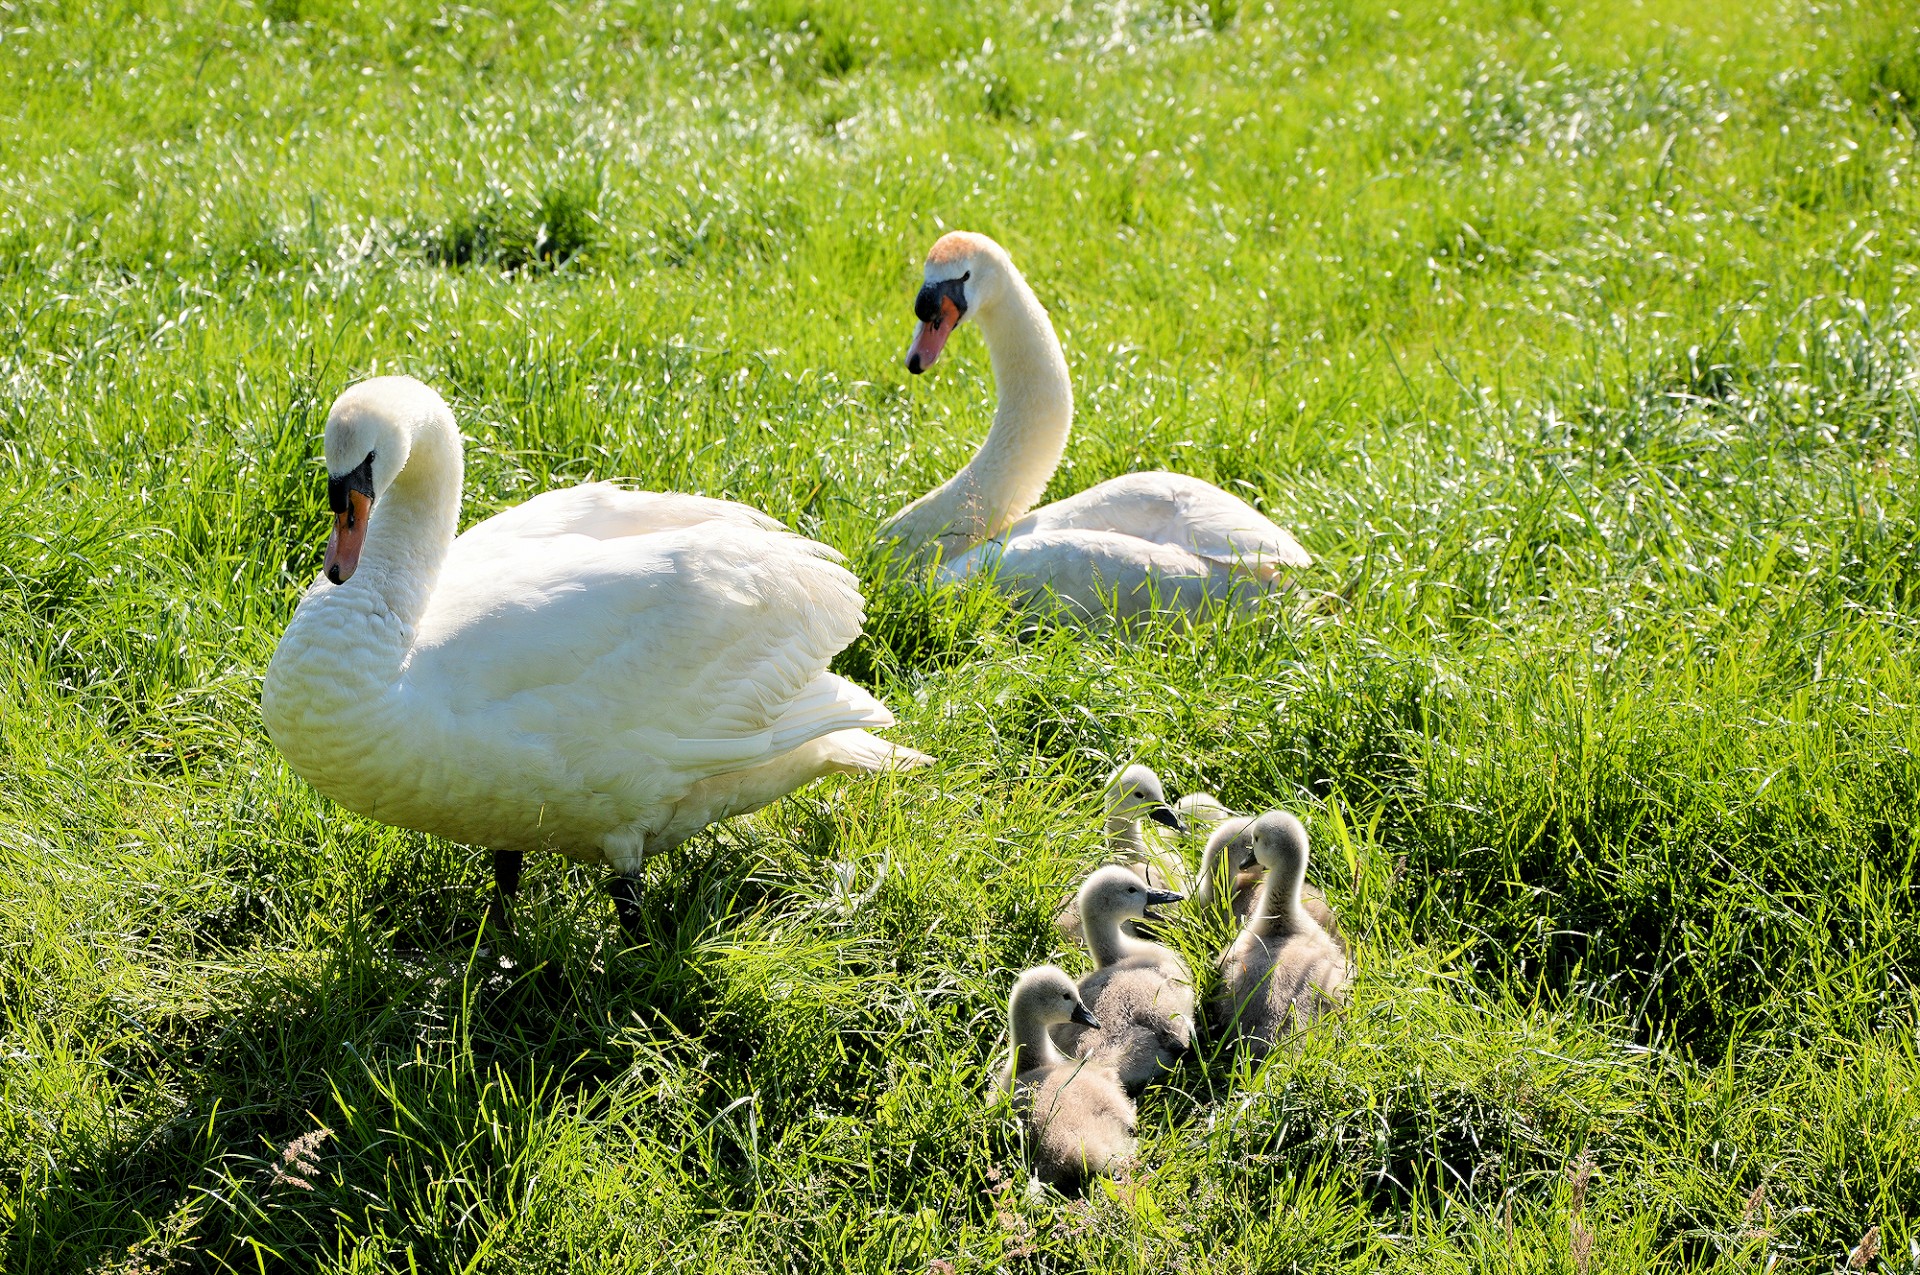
(596, 672)
(1132, 544)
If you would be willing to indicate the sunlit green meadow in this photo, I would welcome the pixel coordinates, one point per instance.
(1574, 341)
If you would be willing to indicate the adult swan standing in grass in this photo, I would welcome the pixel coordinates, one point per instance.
(1131, 544)
(597, 672)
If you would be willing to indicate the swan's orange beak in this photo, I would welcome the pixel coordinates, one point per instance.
(349, 534)
(930, 337)
(939, 307)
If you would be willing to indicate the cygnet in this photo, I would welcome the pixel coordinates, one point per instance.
(1140, 990)
(1283, 971)
(1078, 1117)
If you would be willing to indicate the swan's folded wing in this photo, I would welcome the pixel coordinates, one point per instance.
(646, 662)
(1173, 509)
(1223, 528)
(603, 511)
(1093, 573)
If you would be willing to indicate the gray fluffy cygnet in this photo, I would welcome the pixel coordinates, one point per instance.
(1222, 877)
(1135, 793)
(1283, 971)
(1136, 796)
(1078, 1117)
(1141, 991)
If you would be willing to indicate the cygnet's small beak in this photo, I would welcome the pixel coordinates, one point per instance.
(1084, 1016)
(1163, 896)
(1165, 814)
(1251, 861)
(1154, 899)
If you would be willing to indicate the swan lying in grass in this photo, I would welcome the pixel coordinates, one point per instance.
(1141, 991)
(1131, 545)
(1231, 844)
(1282, 972)
(1079, 1119)
(596, 672)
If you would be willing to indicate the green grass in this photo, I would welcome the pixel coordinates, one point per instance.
(1574, 340)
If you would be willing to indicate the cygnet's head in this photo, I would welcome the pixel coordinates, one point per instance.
(966, 273)
(1113, 895)
(1046, 995)
(1277, 841)
(1134, 792)
(370, 433)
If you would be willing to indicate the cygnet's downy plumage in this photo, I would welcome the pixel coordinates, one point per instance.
(1078, 1117)
(1283, 971)
(1201, 810)
(1135, 793)
(1141, 991)
(1135, 798)
(1220, 877)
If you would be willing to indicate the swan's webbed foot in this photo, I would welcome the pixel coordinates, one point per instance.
(506, 887)
(626, 902)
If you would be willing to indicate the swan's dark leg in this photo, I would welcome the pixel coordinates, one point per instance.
(506, 887)
(626, 902)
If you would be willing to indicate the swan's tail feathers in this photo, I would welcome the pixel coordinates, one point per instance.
(830, 703)
(855, 752)
(1265, 553)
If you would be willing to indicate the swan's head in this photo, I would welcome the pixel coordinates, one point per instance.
(1134, 792)
(1277, 841)
(966, 273)
(1113, 895)
(1045, 995)
(370, 433)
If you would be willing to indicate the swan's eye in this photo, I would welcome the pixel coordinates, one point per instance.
(358, 479)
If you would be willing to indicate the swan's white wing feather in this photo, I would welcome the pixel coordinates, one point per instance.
(1177, 511)
(1095, 573)
(603, 511)
(645, 661)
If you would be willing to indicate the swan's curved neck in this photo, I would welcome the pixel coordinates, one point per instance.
(1109, 942)
(1280, 914)
(1032, 1044)
(412, 528)
(348, 642)
(1011, 469)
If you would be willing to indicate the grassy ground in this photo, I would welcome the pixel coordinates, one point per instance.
(1574, 341)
